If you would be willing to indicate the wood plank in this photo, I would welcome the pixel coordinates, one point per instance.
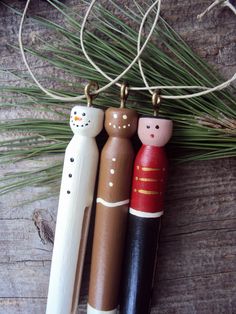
(196, 269)
(31, 280)
(22, 305)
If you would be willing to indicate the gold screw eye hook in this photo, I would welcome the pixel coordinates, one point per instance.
(156, 100)
(90, 92)
(124, 93)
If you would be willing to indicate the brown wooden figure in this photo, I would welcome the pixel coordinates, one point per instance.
(112, 208)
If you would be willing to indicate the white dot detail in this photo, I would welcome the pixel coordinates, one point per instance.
(113, 159)
(111, 184)
(128, 124)
(115, 115)
(109, 123)
(124, 126)
(114, 126)
(119, 127)
(112, 171)
(125, 116)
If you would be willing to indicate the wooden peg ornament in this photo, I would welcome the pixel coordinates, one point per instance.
(146, 208)
(76, 196)
(111, 212)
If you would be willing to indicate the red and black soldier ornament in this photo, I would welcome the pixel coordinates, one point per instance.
(146, 209)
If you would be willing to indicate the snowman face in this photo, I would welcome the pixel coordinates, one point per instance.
(121, 122)
(86, 121)
(155, 131)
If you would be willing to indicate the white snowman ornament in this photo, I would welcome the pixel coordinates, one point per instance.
(75, 202)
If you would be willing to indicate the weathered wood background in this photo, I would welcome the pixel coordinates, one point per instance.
(197, 253)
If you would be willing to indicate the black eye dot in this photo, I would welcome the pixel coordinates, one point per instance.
(68, 192)
(157, 126)
(148, 126)
(70, 175)
(72, 159)
(75, 112)
(83, 114)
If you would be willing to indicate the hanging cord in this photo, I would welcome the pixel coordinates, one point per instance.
(140, 51)
(48, 93)
(152, 89)
(198, 94)
(114, 81)
(224, 3)
(206, 91)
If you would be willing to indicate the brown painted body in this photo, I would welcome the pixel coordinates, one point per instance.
(110, 223)
(121, 151)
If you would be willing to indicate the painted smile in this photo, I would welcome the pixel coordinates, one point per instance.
(81, 125)
(123, 126)
(120, 126)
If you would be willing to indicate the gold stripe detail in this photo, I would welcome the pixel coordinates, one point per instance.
(150, 169)
(148, 180)
(148, 192)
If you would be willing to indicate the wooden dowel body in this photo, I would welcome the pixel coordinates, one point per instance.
(146, 208)
(141, 249)
(76, 197)
(112, 210)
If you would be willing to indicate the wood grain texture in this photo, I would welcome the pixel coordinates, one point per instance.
(197, 253)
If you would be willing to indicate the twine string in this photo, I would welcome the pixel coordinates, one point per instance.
(224, 3)
(140, 49)
(192, 95)
(112, 81)
(96, 67)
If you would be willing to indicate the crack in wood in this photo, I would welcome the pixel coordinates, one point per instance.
(199, 231)
(206, 275)
(25, 261)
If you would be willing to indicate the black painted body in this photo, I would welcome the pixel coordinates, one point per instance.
(139, 264)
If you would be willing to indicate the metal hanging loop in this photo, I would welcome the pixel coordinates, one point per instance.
(90, 92)
(124, 93)
(156, 101)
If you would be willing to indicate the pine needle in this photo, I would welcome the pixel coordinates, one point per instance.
(204, 127)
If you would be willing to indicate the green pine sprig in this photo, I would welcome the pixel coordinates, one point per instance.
(204, 127)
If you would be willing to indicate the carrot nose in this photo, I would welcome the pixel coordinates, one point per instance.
(78, 118)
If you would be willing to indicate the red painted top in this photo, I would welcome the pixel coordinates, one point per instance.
(149, 179)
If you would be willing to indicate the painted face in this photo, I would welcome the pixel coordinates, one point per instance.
(121, 122)
(155, 131)
(86, 121)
